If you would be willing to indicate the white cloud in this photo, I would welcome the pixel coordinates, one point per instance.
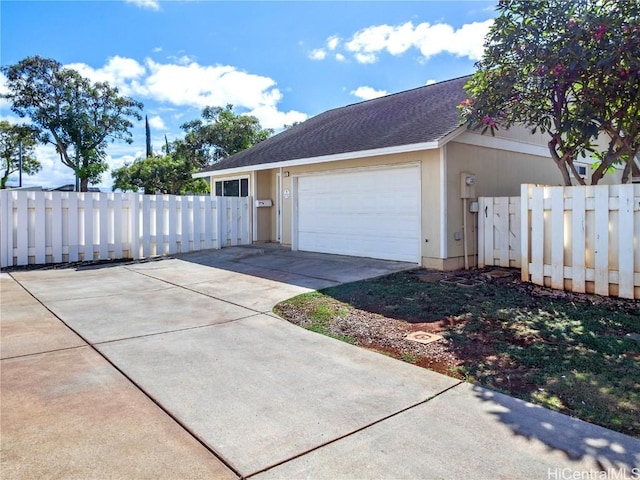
(157, 123)
(121, 72)
(148, 4)
(333, 42)
(366, 58)
(182, 60)
(318, 54)
(199, 85)
(4, 103)
(321, 53)
(367, 93)
(194, 85)
(430, 82)
(367, 44)
(53, 173)
(157, 50)
(340, 57)
(271, 117)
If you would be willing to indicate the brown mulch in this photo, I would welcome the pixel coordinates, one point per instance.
(388, 335)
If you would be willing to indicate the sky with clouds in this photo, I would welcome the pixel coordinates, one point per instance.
(282, 62)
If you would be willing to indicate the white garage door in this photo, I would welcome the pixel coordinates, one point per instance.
(366, 213)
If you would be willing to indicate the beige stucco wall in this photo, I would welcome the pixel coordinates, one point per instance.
(526, 138)
(498, 173)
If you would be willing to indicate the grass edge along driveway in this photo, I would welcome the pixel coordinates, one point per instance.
(578, 354)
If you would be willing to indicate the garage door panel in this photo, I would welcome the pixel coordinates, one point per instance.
(370, 213)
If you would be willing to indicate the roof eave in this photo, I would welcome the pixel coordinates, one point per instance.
(414, 147)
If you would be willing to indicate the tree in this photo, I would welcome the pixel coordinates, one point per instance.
(11, 137)
(166, 174)
(218, 134)
(73, 114)
(568, 68)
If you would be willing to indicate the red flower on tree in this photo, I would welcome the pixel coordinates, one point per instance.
(600, 31)
(487, 120)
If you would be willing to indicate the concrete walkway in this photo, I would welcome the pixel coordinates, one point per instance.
(178, 369)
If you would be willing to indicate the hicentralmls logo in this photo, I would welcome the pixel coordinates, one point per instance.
(608, 474)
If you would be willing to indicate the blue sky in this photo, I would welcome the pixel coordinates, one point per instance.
(280, 61)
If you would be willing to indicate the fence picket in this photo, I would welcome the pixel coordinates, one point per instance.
(185, 230)
(55, 241)
(6, 228)
(482, 225)
(208, 223)
(22, 227)
(172, 220)
(537, 236)
(40, 227)
(557, 238)
(103, 224)
(578, 239)
(503, 229)
(134, 224)
(601, 240)
(525, 223)
(116, 232)
(625, 229)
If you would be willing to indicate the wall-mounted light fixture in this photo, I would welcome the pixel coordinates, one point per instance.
(286, 174)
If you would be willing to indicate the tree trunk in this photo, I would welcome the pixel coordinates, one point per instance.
(5, 177)
(627, 171)
(84, 184)
(561, 162)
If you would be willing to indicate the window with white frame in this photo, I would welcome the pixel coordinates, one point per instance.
(232, 187)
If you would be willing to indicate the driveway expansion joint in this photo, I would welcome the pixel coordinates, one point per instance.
(186, 287)
(189, 431)
(358, 430)
(154, 334)
(55, 350)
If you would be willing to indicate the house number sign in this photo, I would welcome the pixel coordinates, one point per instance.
(286, 193)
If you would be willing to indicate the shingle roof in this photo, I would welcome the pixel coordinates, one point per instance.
(423, 114)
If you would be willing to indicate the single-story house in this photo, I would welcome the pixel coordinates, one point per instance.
(383, 178)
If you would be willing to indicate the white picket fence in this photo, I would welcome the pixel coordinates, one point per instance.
(581, 239)
(54, 227)
(499, 231)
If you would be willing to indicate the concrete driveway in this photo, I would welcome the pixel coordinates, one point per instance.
(178, 369)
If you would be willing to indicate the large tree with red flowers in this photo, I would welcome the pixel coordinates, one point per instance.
(568, 68)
